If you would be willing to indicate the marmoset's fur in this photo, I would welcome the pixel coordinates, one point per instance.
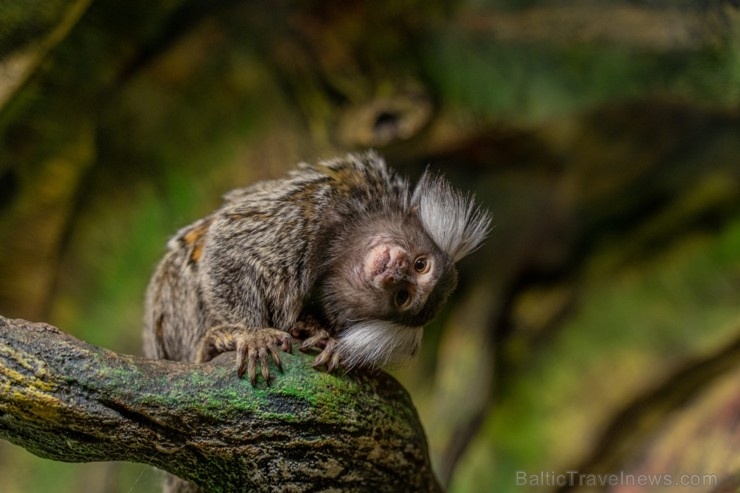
(344, 254)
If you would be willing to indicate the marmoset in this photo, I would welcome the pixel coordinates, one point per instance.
(344, 254)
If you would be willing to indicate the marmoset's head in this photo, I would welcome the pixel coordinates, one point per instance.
(397, 270)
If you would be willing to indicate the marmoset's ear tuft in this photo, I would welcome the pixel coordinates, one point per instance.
(450, 217)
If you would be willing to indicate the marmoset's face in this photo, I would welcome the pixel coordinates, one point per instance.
(400, 277)
(393, 272)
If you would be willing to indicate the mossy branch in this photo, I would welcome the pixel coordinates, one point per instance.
(67, 400)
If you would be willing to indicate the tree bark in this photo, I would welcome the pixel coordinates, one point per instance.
(67, 400)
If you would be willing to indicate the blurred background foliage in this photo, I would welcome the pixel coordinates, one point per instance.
(597, 330)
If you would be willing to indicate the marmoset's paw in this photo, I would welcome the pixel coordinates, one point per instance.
(321, 339)
(329, 356)
(250, 344)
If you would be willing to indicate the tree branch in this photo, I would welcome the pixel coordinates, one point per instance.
(67, 400)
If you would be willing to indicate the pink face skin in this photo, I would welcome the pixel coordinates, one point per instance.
(386, 264)
(408, 278)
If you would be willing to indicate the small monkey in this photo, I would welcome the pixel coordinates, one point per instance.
(344, 254)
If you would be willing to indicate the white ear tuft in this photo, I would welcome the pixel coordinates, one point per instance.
(450, 217)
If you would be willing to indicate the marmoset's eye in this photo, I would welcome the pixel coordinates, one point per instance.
(421, 265)
(402, 298)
